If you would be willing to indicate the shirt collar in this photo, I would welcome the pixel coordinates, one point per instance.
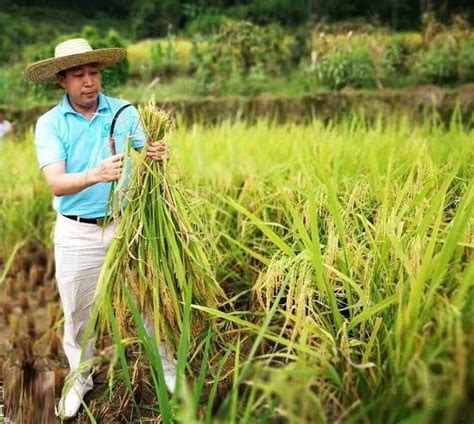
(103, 103)
(67, 108)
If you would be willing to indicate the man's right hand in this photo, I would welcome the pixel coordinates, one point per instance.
(110, 169)
(63, 184)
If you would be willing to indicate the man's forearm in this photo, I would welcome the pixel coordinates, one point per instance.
(65, 184)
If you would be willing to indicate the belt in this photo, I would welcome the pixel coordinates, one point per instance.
(96, 221)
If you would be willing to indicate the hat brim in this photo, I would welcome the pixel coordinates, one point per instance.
(45, 71)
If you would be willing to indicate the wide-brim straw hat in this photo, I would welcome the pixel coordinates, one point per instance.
(69, 54)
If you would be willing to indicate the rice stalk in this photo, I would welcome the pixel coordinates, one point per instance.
(158, 254)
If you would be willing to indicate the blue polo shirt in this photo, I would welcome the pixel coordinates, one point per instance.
(62, 134)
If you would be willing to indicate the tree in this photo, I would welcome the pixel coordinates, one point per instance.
(151, 18)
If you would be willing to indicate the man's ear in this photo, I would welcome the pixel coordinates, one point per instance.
(61, 80)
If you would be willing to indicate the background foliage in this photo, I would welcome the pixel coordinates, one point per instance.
(194, 49)
(151, 18)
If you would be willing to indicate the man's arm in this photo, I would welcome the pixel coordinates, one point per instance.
(63, 183)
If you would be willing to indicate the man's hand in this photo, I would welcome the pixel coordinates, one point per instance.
(64, 184)
(109, 169)
(158, 151)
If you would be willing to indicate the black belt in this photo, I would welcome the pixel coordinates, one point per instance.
(96, 221)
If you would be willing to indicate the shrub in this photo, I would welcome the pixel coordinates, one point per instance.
(163, 58)
(300, 46)
(395, 62)
(241, 49)
(437, 65)
(151, 18)
(333, 70)
(16, 92)
(14, 33)
(262, 12)
(347, 67)
(209, 71)
(466, 61)
(253, 83)
(205, 24)
(196, 56)
(246, 46)
(394, 58)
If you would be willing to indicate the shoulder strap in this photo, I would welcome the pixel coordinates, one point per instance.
(114, 120)
(113, 150)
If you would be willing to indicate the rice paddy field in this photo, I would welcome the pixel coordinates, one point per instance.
(344, 252)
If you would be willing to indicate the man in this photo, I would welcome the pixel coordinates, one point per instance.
(6, 127)
(72, 143)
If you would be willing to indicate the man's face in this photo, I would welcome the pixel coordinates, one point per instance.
(82, 84)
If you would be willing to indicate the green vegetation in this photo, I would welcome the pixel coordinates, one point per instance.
(25, 202)
(347, 251)
(466, 61)
(239, 57)
(438, 65)
(241, 51)
(149, 18)
(35, 26)
(342, 250)
(346, 67)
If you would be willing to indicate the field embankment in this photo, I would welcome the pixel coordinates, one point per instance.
(418, 103)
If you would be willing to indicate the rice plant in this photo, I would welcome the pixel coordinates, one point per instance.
(346, 251)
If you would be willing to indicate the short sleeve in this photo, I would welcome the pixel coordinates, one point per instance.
(49, 147)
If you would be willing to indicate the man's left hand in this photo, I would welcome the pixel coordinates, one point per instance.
(158, 151)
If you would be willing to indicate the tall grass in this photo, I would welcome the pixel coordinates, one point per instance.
(347, 251)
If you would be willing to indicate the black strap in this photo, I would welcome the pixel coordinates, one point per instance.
(114, 120)
(112, 127)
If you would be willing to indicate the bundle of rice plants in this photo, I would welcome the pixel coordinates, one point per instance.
(159, 258)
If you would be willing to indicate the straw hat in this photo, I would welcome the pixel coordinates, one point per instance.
(69, 54)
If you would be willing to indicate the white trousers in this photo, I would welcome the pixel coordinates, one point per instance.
(79, 251)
